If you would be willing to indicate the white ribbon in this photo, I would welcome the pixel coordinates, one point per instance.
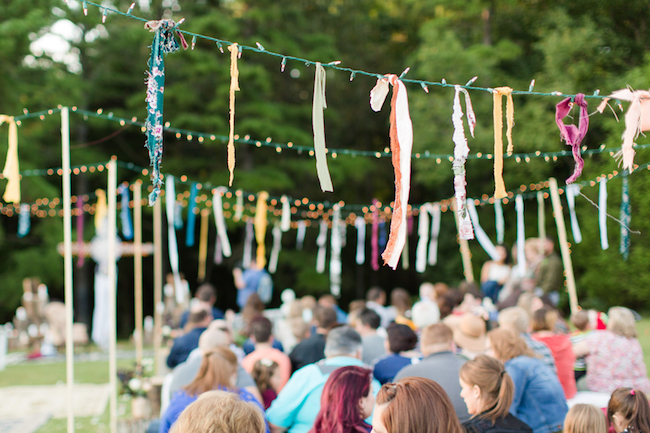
(481, 237)
(285, 223)
(461, 151)
(521, 236)
(423, 241)
(360, 224)
(572, 191)
(248, 244)
(602, 213)
(239, 205)
(300, 235)
(499, 221)
(541, 216)
(435, 231)
(335, 254)
(220, 222)
(170, 205)
(321, 241)
(277, 246)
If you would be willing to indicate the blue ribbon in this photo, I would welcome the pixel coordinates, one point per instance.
(626, 218)
(24, 222)
(191, 217)
(125, 215)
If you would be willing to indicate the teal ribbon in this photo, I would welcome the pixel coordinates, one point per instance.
(626, 218)
(191, 217)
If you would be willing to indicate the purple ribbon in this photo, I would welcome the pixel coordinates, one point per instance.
(570, 133)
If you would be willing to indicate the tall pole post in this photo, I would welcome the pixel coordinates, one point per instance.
(137, 266)
(112, 298)
(157, 284)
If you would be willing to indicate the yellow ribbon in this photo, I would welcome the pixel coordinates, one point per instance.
(234, 86)
(260, 227)
(499, 92)
(203, 244)
(11, 171)
(101, 209)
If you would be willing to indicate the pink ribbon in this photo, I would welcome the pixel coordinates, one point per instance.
(570, 133)
(80, 229)
(374, 241)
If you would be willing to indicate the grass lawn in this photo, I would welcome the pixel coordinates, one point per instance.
(643, 328)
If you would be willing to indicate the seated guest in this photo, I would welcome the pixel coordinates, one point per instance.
(218, 371)
(312, 349)
(518, 320)
(538, 398)
(426, 311)
(346, 401)
(263, 339)
(267, 378)
(401, 344)
(375, 300)
(580, 320)
(544, 321)
(298, 403)
(400, 301)
(207, 294)
(439, 364)
(367, 322)
(198, 321)
(487, 390)
(628, 410)
(469, 335)
(585, 418)
(414, 405)
(220, 412)
(614, 356)
(329, 301)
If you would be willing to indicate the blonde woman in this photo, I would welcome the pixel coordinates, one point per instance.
(585, 418)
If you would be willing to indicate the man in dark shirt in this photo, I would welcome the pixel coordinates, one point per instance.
(198, 321)
(312, 349)
(205, 293)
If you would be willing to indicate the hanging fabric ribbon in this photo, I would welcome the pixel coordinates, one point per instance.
(101, 209)
(360, 225)
(285, 222)
(170, 203)
(125, 214)
(521, 237)
(626, 218)
(374, 240)
(80, 228)
(637, 120)
(423, 238)
(260, 227)
(499, 92)
(218, 256)
(602, 213)
(461, 151)
(335, 253)
(220, 221)
(203, 244)
(405, 255)
(481, 236)
(248, 244)
(572, 191)
(11, 171)
(571, 134)
(191, 216)
(401, 144)
(300, 235)
(239, 205)
(24, 222)
(436, 213)
(499, 221)
(163, 43)
(541, 216)
(178, 215)
(318, 125)
(321, 242)
(277, 246)
(382, 233)
(234, 87)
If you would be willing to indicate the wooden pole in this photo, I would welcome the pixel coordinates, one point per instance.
(112, 298)
(137, 266)
(203, 245)
(564, 245)
(465, 254)
(157, 285)
(67, 263)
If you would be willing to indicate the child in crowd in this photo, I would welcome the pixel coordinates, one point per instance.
(628, 411)
(585, 418)
(266, 374)
(580, 320)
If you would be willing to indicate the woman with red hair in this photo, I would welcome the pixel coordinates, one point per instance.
(346, 401)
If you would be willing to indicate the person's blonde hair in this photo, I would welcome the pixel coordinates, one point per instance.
(497, 387)
(507, 344)
(585, 418)
(217, 369)
(437, 333)
(417, 405)
(515, 318)
(621, 322)
(220, 412)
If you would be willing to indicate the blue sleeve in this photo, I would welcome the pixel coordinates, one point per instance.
(519, 379)
(248, 346)
(183, 321)
(174, 356)
(285, 407)
(278, 345)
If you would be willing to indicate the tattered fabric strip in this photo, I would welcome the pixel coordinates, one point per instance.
(436, 213)
(172, 246)
(178, 215)
(405, 259)
(80, 228)
(163, 43)
(335, 253)
(571, 192)
(239, 205)
(220, 221)
(423, 238)
(570, 133)
(11, 171)
(275, 250)
(218, 256)
(481, 236)
(318, 125)
(285, 222)
(261, 222)
(499, 221)
(248, 244)
(321, 242)
(499, 92)
(521, 237)
(24, 223)
(374, 239)
(382, 234)
(541, 216)
(602, 213)
(300, 235)
(191, 216)
(101, 210)
(203, 244)
(234, 87)
(125, 215)
(461, 151)
(360, 224)
(626, 218)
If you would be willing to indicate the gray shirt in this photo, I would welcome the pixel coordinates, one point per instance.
(373, 348)
(442, 368)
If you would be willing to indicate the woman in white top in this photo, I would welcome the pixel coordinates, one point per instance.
(495, 273)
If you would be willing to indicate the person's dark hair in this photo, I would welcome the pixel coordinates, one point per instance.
(633, 405)
(401, 300)
(508, 259)
(263, 369)
(253, 308)
(329, 298)
(325, 317)
(197, 316)
(497, 387)
(580, 319)
(401, 338)
(369, 317)
(261, 328)
(342, 341)
(449, 301)
(544, 319)
(206, 292)
(339, 404)
(374, 293)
